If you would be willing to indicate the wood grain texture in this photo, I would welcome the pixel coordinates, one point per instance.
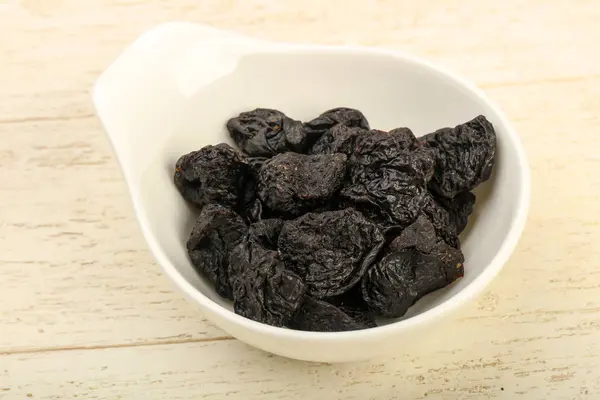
(84, 310)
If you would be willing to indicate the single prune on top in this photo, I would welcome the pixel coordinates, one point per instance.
(464, 156)
(216, 232)
(263, 289)
(266, 232)
(339, 139)
(388, 176)
(320, 316)
(266, 132)
(330, 250)
(292, 183)
(213, 174)
(330, 118)
(416, 263)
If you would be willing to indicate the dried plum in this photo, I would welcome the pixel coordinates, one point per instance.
(449, 216)
(216, 232)
(330, 250)
(339, 139)
(266, 232)
(266, 132)
(328, 224)
(263, 289)
(464, 156)
(330, 118)
(291, 183)
(460, 208)
(416, 263)
(388, 176)
(213, 174)
(320, 316)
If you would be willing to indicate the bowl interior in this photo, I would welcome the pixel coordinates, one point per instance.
(391, 91)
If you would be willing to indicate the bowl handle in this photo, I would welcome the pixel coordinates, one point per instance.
(141, 94)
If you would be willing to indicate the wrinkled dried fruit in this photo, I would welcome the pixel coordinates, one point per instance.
(328, 224)
(263, 289)
(266, 232)
(449, 216)
(266, 132)
(416, 263)
(339, 139)
(292, 183)
(330, 118)
(388, 177)
(213, 174)
(330, 250)
(460, 208)
(320, 316)
(216, 232)
(464, 156)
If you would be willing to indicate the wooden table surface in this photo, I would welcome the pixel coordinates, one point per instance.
(85, 312)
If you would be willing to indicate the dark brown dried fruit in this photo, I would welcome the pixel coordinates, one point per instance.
(330, 118)
(464, 156)
(266, 232)
(292, 183)
(330, 250)
(216, 232)
(213, 174)
(320, 316)
(263, 289)
(449, 216)
(266, 132)
(416, 263)
(460, 208)
(388, 176)
(339, 139)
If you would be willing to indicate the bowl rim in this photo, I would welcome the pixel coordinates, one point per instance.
(451, 304)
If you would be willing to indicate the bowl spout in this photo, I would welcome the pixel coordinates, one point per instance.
(140, 96)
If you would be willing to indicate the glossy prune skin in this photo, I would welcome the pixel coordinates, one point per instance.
(290, 183)
(216, 232)
(319, 316)
(263, 289)
(330, 250)
(349, 117)
(266, 132)
(388, 176)
(213, 174)
(464, 156)
(416, 263)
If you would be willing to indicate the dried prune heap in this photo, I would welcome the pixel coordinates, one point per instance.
(327, 225)
(292, 183)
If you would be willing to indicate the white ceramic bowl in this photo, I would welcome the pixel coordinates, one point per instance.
(172, 91)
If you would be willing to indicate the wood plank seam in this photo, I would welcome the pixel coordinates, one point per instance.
(146, 343)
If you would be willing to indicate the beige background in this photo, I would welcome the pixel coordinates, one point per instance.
(86, 313)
